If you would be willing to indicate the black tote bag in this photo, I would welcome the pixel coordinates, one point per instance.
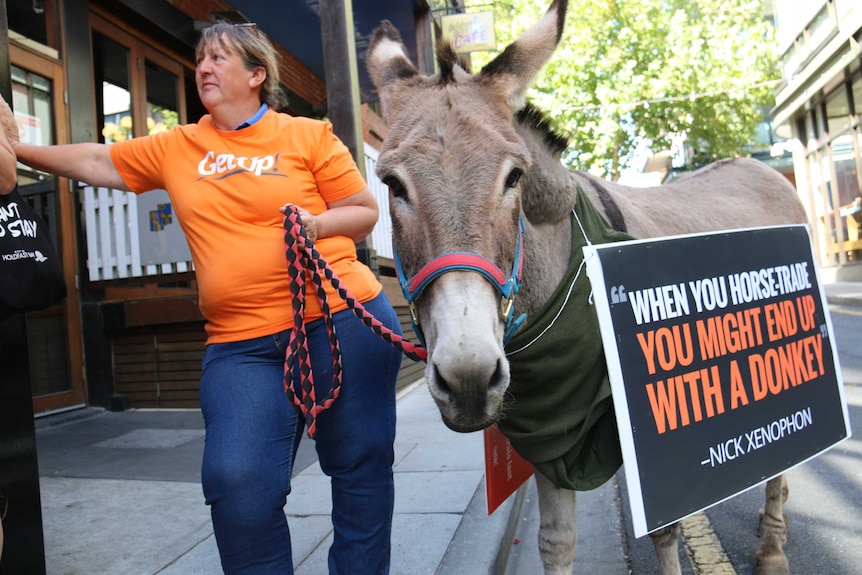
(31, 274)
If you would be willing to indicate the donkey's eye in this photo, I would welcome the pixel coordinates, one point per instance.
(395, 187)
(513, 178)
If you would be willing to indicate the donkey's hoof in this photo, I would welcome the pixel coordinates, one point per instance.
(771, 564)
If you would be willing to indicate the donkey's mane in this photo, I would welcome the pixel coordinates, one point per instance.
(537, 120)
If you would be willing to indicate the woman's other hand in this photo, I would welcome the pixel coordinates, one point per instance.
(309, 222)
(353, 217)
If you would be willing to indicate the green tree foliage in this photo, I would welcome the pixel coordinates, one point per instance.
(630, 71)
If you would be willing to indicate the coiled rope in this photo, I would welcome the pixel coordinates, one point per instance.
(302, 256)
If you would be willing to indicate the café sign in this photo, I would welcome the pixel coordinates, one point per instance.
(470, 32)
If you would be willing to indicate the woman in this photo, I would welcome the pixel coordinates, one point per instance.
(228, 176)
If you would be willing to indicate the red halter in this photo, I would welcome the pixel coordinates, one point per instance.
(507, 286)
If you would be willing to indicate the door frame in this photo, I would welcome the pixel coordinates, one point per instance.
(51, 68)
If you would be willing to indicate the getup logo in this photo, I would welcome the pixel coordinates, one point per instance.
(220, 166)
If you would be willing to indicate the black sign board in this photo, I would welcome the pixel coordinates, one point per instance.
(722, 364)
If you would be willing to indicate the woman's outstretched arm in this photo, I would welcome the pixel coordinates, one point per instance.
(86, 162)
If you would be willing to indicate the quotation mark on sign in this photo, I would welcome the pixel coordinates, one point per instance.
(618, 294)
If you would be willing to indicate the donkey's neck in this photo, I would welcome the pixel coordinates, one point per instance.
(548, 190)
(547, 248)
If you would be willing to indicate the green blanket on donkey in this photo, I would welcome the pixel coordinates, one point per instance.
(561, 418)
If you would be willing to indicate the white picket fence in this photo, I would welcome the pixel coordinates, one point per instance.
(113, 240)
(381, 236)
(113, 246)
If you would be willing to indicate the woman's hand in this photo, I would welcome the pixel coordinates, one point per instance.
(353, 217)
(309, 222)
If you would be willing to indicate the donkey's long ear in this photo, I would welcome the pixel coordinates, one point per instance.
(387, 61)
(515, 68)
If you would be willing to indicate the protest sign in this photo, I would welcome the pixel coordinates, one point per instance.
(722, 364)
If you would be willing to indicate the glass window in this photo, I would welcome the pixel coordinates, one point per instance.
(139, 92)
(816, 185)
(810, 126)
(113, 101)
(837, 112)
(820, 28)
(790, 62)
(34, 20)
(31, 101)
(194, 108)
(162, 96)
(846, 177)
(856, 89)
(801, 133)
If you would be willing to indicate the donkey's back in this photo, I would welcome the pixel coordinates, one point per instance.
(730, 194)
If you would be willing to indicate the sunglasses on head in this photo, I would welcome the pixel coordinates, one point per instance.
(250, 26)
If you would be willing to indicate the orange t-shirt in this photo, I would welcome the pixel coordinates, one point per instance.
(226, 188)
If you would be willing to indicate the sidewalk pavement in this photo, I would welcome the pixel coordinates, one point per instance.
(121, 495)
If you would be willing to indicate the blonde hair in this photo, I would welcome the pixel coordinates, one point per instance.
(254, 48)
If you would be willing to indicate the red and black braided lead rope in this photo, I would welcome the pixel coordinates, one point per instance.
(303, 257)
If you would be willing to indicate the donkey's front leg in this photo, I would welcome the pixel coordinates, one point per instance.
(770, 559)
(558, 531)
(666, 544)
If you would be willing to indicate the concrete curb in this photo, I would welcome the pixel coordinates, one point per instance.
(844, 301)
(501, 563)
(481, 544)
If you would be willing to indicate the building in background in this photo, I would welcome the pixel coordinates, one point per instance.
(818, 110)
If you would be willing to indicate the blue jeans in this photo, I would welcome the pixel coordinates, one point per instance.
(252, 432)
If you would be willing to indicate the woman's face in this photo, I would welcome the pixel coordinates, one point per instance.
(222, 78)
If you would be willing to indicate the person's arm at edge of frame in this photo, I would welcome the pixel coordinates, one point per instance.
(8, 166)
(86, 162)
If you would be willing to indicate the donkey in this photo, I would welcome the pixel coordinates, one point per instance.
(474, 172)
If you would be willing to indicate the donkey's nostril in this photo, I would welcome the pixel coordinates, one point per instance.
(499, 379)
(439, 382)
